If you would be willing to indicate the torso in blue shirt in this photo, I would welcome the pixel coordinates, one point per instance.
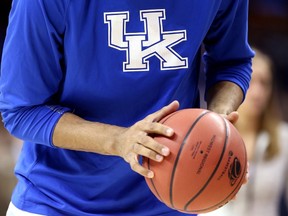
(108, 61)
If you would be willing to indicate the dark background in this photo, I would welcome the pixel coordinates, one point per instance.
(268, 30)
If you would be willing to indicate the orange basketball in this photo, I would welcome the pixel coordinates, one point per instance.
(206, 166)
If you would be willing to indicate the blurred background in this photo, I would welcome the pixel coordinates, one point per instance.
(268, 30)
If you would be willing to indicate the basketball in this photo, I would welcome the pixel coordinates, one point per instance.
(206, 166)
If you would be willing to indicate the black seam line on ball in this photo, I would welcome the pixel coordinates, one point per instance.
(179, 153)
(229, 196)
(151, 179)
(216, 168)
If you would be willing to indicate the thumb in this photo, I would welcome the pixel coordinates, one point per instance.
(232, 117)
(170, 108)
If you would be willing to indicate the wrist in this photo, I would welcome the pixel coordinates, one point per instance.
(224, 97)
(223, 110)
(113, 143)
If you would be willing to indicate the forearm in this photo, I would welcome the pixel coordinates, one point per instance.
(75, 133)
(224, 97)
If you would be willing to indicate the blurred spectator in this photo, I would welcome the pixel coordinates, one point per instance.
(9, 146)
(268, 27)
(266, 139)
(9, 150)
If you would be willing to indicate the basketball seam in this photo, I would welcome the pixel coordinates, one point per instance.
(236, 188)
(215, 170)
(179, 153)
(152, 182)
(226, 199)
(148, 161)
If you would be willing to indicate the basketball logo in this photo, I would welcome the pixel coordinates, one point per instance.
(234, 171)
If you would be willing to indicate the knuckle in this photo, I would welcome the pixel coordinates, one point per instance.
(152, 126)
(159, 148)
(153, 147)
(159, 128)
(151, 154)
(143, 139)
(138, 125)
(135, 147)
(149, 117)
(134, 166)
(163, 109)
(145, 173)
(128, 157)
(156, 146)
(139, 169)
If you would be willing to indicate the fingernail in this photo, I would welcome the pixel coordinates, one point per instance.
(169, 132)
(150, 174)
(165, 151)
(159, 157)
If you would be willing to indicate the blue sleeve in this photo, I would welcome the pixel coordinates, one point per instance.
(228, 56)
(31, 70)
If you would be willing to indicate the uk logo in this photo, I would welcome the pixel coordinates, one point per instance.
(141, 46)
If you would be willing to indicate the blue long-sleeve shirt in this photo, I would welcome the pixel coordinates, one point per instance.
(113, 62)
